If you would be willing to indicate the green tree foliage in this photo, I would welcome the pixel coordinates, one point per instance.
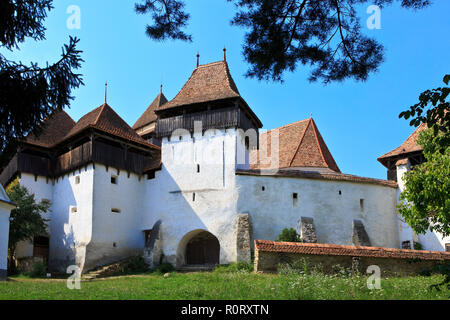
(426, 199)
(289, 235)
(26, 220)
(324, 34)
(433, 109)
(29, 93)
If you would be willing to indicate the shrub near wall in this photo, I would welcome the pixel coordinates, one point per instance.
(269, 254)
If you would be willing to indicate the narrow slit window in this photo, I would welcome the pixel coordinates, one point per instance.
(340, 192)
(193, 196)
(263, 188)
(198, 168)
(113, 180)
(295, 199)
(361, 204)
(77, 180)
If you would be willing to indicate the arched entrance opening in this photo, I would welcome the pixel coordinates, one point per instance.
(198, 247)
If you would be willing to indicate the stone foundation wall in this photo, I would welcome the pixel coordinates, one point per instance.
(268, 261)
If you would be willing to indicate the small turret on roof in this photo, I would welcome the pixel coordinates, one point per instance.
(300, 146)
(408, 147)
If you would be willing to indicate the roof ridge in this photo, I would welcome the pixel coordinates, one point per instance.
(317, 140)
(299, 144)
(285, 126)
(209, 64)
(102, 108)
(230, 81)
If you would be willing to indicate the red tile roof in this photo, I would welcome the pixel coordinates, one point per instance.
(340, 250)
(208, 82)
(54, 128)
(105, 119)
(410, 145)
(300, 145)
(149, 115)
(326, 175)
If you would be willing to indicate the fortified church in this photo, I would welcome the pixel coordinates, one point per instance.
(193, 182)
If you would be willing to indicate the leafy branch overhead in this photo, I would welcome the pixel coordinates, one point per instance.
(433, 109)
(29, 93)
(168, 18)
(323, 34)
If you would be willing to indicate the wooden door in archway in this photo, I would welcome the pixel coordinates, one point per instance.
(203, 249)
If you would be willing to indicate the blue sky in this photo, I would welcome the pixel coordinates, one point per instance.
(358, 120)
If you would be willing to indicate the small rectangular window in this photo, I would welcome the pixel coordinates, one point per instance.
(77, 180)
(73, 209)
(361, 204)
(113, 180)
(115, 210)
(295, 199)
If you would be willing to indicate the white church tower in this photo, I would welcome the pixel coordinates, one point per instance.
(205, 133)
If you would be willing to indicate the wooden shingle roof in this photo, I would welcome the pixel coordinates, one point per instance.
(105, 119)
(54, 129)
(208, 82)
(300, 145)
(149, 115)
(410, 145)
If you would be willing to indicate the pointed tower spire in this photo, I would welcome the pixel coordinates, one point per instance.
(106, 90)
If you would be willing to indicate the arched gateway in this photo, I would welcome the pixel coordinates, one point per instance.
(198, 247)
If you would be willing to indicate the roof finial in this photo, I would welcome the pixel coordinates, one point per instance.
(224, 54)
(198, 59)
(106, 90)
(310, 115)
(160, 90)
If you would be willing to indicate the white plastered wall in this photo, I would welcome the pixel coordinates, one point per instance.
(332, 204)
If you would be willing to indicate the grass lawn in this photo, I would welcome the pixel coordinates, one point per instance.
(224, 285)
